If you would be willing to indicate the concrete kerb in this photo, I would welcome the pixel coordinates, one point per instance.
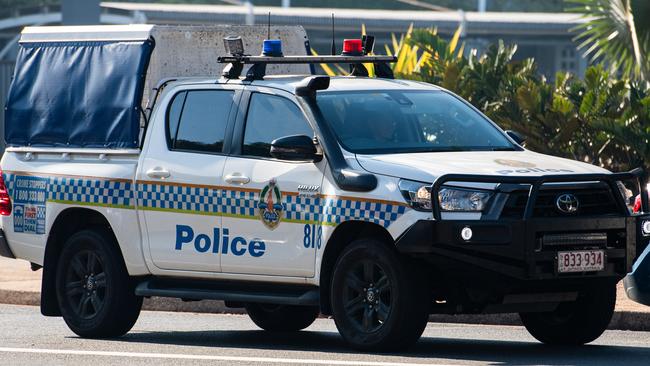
(152, 304)
(21, 286)
(622, 320)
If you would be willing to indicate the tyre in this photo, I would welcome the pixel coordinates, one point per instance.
(379, 302)
(282, 318)
(95, 293)
(574, 323)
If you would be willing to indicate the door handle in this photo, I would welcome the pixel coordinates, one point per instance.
(237, 178)
(158, 172)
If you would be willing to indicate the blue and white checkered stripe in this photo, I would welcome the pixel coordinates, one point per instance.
(302, 208)
(8, 178)
(231, 202)
(196, 199)
(103, 192)
(215, 200)
(240, 203)
(337, 210)
(176, 197)
(92, 191)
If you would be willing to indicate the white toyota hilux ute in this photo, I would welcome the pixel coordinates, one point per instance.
(373, 200)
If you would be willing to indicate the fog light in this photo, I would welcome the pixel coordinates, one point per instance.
(645, 227)
(466, 233)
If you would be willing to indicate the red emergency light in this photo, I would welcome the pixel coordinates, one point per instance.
(352, 47)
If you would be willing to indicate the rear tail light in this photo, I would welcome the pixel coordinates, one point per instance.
(5, 200)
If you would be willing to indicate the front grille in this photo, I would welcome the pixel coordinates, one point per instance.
(606, 239)
(579, 239)
(593, 202)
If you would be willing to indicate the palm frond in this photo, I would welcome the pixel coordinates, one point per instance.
(329, 70)
(609, 32)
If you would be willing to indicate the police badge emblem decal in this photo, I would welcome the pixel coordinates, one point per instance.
(514, 163)
(270, 206)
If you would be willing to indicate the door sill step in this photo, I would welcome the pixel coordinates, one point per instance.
(234, 291)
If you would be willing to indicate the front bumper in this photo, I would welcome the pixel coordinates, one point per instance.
(515, 248)
(518, 248)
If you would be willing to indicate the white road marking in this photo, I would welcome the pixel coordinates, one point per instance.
(265, 360)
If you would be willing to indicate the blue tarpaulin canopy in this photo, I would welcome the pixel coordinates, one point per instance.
(81, 93)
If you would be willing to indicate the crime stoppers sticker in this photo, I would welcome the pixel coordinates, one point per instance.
(30, 194)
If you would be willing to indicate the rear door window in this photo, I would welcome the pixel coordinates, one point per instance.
(197, 120)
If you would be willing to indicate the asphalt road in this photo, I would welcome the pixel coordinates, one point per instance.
(161, 338)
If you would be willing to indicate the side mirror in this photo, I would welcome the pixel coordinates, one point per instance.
(295, 148)
(519, 139)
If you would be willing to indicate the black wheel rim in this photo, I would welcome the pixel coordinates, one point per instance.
(85, 284)
(562, 314)
(367, 296)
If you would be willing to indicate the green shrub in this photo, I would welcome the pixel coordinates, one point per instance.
(598, 119)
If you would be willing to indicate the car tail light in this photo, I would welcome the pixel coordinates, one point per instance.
(5, 200)
(352, 47)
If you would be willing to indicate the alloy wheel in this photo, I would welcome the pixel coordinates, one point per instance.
(367, 296)
(85, 284)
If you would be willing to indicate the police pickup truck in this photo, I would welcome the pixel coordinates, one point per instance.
(373, 200)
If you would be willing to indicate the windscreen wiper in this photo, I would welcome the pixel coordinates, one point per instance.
(503, 149)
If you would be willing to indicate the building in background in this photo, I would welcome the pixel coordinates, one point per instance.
(543, 36)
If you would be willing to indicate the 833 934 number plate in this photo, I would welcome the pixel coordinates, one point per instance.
(580, 261)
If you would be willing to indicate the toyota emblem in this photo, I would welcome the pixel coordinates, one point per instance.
(567, 203)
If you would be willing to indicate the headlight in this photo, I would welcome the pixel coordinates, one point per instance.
(460, 199)
(417, 194)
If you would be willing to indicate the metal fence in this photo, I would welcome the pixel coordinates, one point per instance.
(6, 73)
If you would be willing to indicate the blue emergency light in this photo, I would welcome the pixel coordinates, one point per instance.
(272, 47)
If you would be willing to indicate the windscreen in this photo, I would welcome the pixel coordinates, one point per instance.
(402, 121)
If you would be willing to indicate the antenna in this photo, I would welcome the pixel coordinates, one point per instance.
(268, 34)
(333, 40)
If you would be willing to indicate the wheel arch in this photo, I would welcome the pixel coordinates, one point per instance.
(68, 222)
(344, 234)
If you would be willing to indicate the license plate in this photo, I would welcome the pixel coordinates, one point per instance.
(580, 261)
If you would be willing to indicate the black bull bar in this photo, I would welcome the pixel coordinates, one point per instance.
(511, 247)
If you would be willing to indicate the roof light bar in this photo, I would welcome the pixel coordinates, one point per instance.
(304, 59)
(354, 53)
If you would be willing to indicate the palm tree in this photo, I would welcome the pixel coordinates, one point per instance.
(612, 33)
